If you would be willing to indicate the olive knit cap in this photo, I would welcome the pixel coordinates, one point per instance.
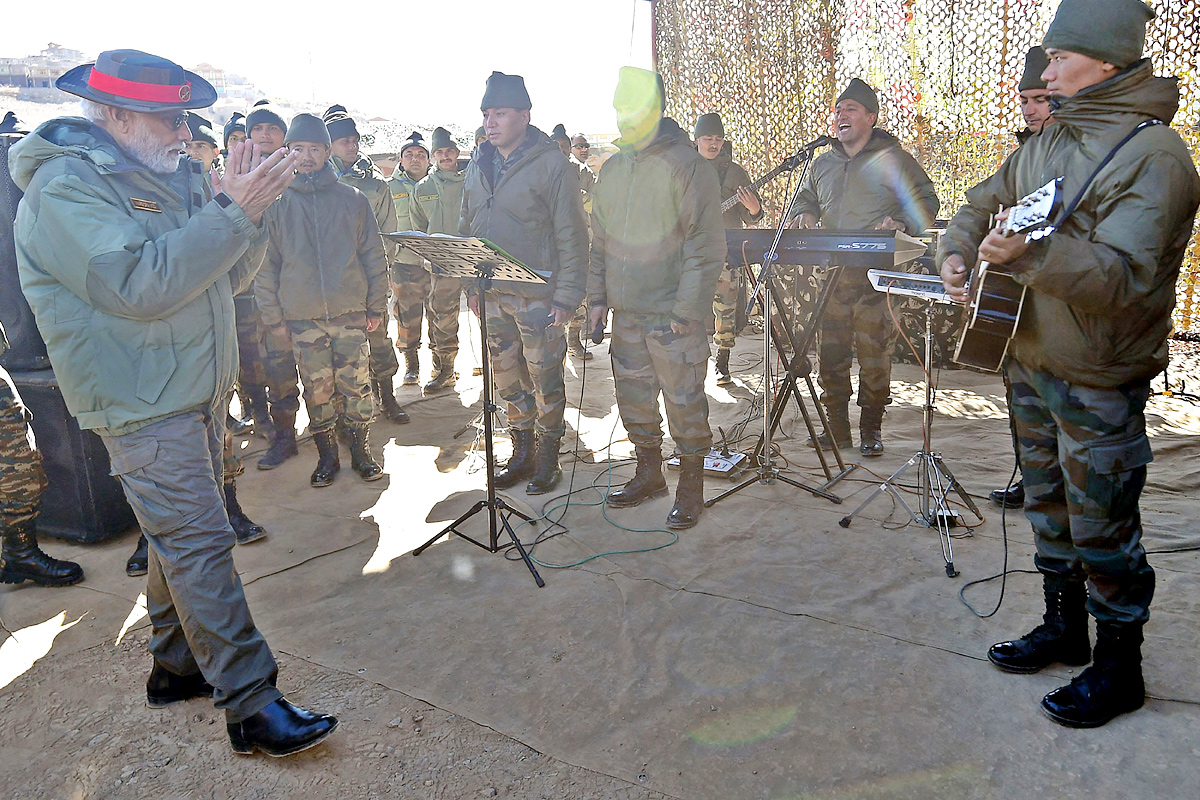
(505, 91)
(860, 92)
(1035, 64)
(307, 128)
(442, 138)
(1113, 31)
(709, 125)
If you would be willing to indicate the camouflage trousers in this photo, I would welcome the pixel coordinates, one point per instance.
(442, 305)
(251, 370)
(334, 361)
(725, 307)
(650, 360)
(383, 360)
(410, 287)
(280, 366)
(1084, 453)
(22, 479)
(527, 362)
(856, 320)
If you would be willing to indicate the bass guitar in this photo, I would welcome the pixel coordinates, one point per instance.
(732, 201)
(994, 305)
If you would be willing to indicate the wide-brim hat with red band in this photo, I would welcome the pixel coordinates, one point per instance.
(139, 82)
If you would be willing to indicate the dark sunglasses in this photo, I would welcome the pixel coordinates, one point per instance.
(174, 122)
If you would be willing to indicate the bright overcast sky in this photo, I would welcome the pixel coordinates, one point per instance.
(423, 62)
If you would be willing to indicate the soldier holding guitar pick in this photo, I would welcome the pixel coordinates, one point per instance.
(1092, 333)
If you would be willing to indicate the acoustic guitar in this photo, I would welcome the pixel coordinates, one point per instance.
(993, 308)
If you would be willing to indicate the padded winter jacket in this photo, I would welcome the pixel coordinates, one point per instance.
(324, 253)
(535, 214)
(658, 241)
(1103, 284)
(130, 275)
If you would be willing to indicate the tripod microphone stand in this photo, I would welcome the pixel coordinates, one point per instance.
(934, 478)
(465, 258)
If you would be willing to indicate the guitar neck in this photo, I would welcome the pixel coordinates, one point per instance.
(730, 202)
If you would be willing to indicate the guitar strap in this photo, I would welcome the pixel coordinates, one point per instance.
(1069, 210)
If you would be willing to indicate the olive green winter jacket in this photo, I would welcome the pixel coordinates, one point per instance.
(130, 275)
(439, 201)
(658, 241)
(535, 214)
(1103, 285)
(366, 177)
(882, 180)
(324, 255)
(405, 195)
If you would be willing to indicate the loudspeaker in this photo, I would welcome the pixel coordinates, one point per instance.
(83, 503)
(26, 348)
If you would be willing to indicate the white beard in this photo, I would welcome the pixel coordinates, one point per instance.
(145, 148)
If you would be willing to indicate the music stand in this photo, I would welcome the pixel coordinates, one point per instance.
(478, 259)
(934, 478)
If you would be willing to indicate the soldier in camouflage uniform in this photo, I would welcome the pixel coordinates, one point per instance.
(656, 254)
(360, 172)
(439, 210)
(325, 279)
(22, 483)
(709, 133)
(580, 150)
(267, 129)
(410, 279)
(866, 180)
(521, 194)
(1092, 334)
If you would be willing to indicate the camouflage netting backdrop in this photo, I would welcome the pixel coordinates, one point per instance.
(946, 72)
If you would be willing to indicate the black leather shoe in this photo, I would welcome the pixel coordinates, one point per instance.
(1010, 496)
(164, 687)
(280, 729)
(139, 563)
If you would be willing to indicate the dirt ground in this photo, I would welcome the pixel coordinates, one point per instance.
(769, 654)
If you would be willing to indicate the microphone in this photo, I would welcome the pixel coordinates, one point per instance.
(820, 141)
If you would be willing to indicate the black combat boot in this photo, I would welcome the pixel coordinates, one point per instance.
(139, 563)
(546, 471)
(328, 462)
(361, 460)
(648, 481)
(870, 439)
(244, 529)
(575, 344)
(412, 366)
(1062, 637)
(283, 440)
(689, 494)
(279, 730)
(386, 392)
(443, 376)
(724, 378)
(1112, 685)
(520, 465)
(164, 687)
(22, 560)
(837, 432)
(1010, 496)
(255, 403)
